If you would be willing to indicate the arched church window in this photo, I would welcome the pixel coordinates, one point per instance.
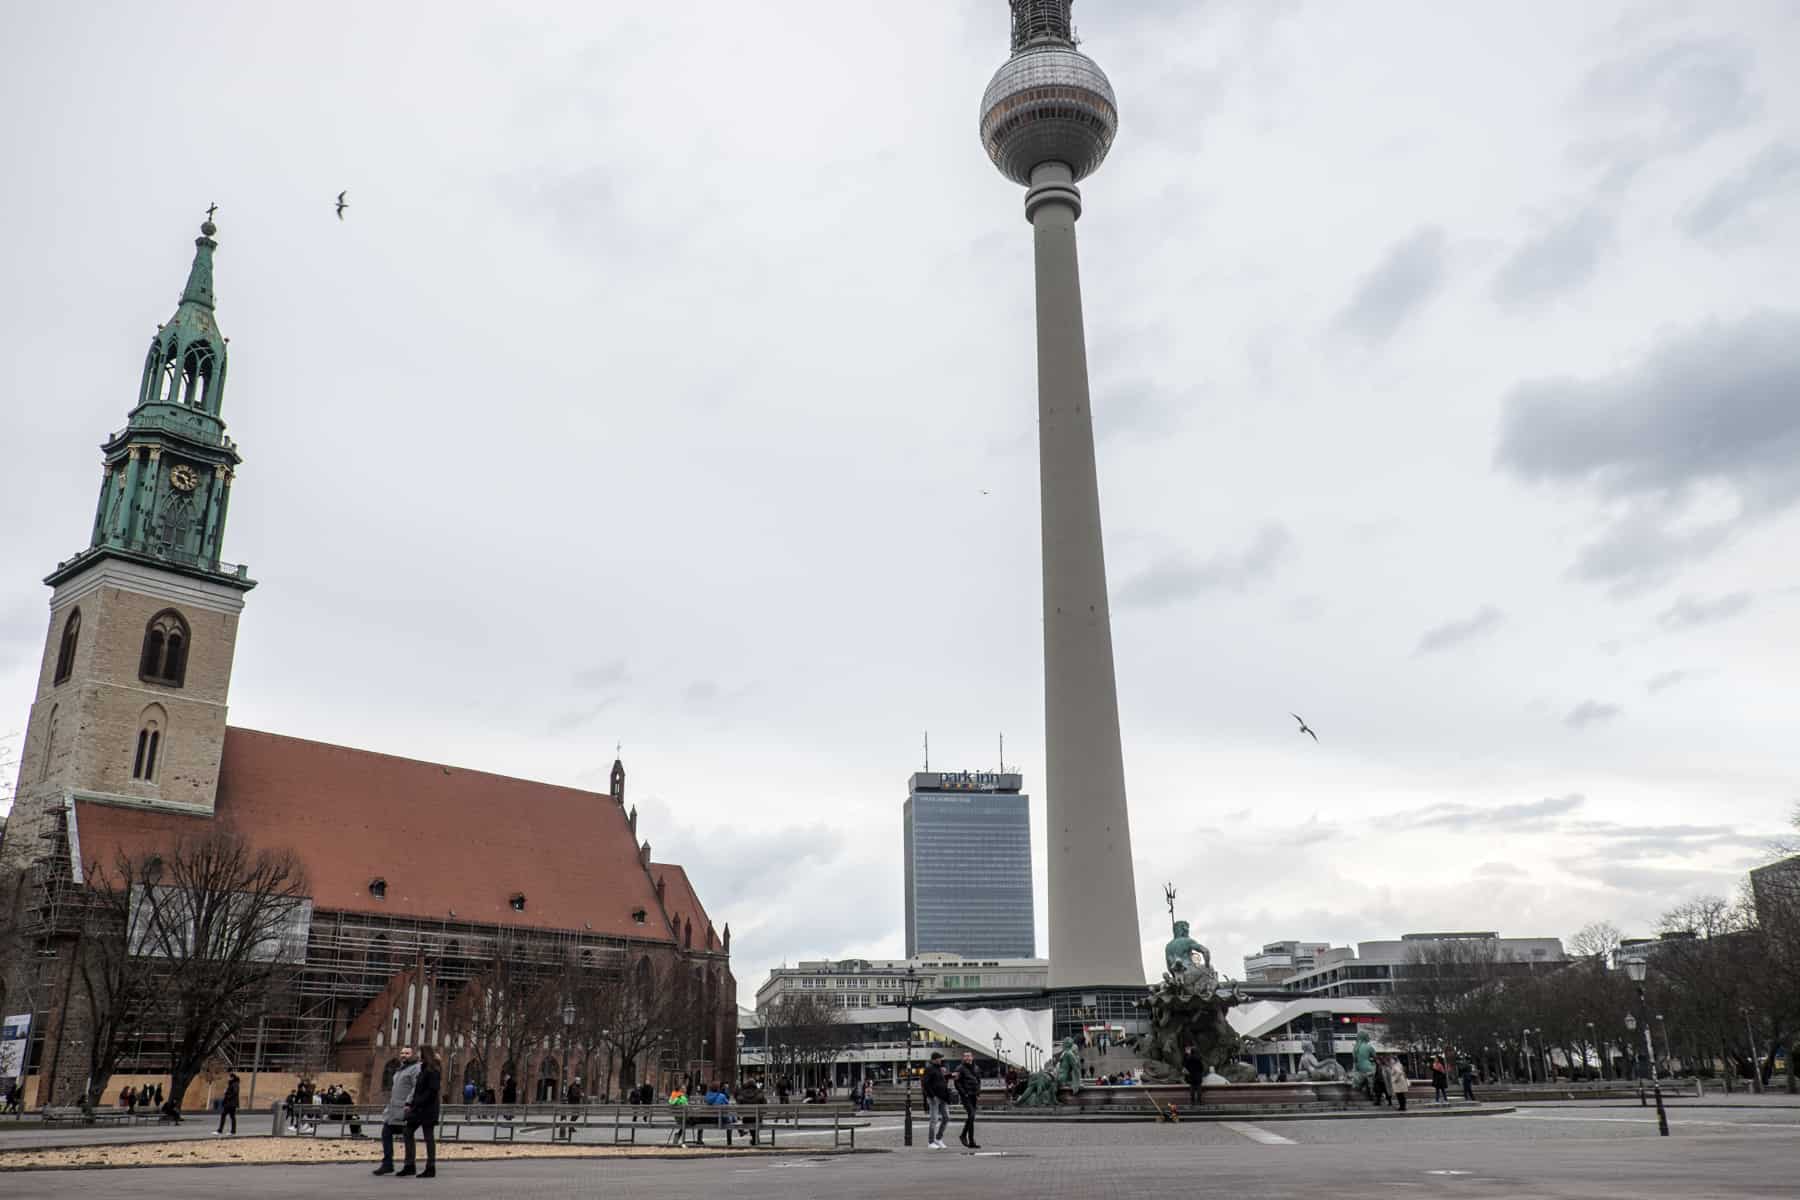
(196, 372)
(165, 649)
(149, 744)
(65, 650)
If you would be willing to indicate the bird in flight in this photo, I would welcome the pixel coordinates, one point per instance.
(1304, 727)
(342, 204)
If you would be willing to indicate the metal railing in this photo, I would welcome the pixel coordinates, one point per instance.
(594, 1124)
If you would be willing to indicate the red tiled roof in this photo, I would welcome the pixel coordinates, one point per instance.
(684, 904)
(443, 838)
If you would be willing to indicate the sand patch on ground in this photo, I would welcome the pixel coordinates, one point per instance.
(249, 1151)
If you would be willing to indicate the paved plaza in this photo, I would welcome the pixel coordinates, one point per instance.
(1539, 1150)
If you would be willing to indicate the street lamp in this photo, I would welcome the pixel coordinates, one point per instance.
(740, 1056)
(910, 991)
(1755, 1060)
(1525, 1053)
(568, 1016)
(1592, 1042)
(998, 1073)
(1636, 969)
(1668, 1054)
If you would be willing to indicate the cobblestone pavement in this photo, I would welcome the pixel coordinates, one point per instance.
(1541, 1151)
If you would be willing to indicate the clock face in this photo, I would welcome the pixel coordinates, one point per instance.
(184, 478)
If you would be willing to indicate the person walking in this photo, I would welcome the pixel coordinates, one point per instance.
(1440, 1082)
(422, 1114)
(936, 1087)
(1466, 1071)
(393, 1116)
(1397, 1082)
(968, 1090)
(1195, 1066)
(228, 1107)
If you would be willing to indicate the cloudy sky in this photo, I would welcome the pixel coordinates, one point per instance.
(671, 382)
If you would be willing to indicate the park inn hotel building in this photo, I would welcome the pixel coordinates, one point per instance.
(422, 876)
(967, 852)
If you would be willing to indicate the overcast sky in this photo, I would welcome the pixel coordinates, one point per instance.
(670, 382)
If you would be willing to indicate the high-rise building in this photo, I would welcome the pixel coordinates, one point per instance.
(968, 865)
(1047, 121)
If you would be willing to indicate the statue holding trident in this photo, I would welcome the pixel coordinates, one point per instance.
(1187, 1009)
(1178, 955)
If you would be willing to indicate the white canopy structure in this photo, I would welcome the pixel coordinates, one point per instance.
(976, 1027)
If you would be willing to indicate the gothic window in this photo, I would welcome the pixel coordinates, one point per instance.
(196, 371)
(65, 652)
(149, 747)
(165, 649)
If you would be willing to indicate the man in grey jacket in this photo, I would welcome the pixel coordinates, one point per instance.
(393, 1117)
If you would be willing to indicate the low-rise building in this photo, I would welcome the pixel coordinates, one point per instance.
(1372, 967)
(1281, 961)
(871, 983)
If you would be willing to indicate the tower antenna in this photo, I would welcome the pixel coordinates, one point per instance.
(928, 749)
(1003, 754)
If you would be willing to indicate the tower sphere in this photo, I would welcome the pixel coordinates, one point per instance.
(1048, 103)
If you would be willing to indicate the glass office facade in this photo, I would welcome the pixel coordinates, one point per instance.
(968, 866)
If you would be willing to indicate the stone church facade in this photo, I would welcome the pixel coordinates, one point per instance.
(422, 876)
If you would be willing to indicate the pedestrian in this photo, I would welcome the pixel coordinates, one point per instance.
(228, 1107)
(393, 1116)
(422, 1114)
(1195, 1066)
(469, 1092)
(968, 1090)
(128, 1099)
(936, 1086)
(1378, 1089)
(1440, 1082)
(1466, 1071)
(1398, 1082)
(159, 1096)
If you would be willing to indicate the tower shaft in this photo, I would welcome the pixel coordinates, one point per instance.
(1092, 892)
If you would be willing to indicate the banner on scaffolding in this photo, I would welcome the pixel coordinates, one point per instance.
(15, 1036)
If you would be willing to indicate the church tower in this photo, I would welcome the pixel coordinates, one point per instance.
(130, 703)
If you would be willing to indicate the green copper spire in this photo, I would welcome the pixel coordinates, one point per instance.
(168, 472)
(199, 285)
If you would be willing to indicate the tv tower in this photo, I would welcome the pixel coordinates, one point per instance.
(1047, 120)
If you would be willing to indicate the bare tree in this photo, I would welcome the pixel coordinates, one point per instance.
(217, 925)
(640, 1013)
(1597, 940)
(802, 1030)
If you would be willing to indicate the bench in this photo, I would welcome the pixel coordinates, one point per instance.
(54, 1114)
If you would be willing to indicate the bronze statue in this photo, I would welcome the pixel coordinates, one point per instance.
(1317, 1070)
(1068, 1066)
(1188, 1009)
(1179, 953)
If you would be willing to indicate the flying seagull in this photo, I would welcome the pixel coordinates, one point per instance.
(342, 204)
(1304, 727)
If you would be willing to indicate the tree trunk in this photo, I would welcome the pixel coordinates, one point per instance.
(180, 1077)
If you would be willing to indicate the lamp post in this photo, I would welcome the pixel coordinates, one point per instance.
(910, 990)
(998, 1073)
(1592, 1042)
(1525, 1054)
(568, 1018)
(1668, 1054)
(1636, 969)
(1755, 1059)
(740, 1056)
